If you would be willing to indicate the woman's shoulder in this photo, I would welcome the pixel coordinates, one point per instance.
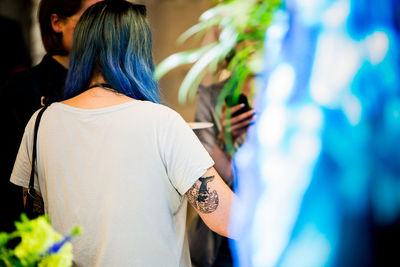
(162, 113)
(19, 81)
(32, 120)
(159, 108)
(25, 83)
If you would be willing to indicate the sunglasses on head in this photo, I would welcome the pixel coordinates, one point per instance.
(138, 7)
(141, 9)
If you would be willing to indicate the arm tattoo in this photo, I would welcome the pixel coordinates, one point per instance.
(200, 196)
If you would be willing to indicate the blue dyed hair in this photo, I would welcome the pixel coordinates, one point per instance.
(113, 38)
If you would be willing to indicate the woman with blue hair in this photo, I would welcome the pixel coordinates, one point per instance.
(113, 160)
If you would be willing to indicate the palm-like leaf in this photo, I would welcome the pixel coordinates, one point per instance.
(240, 21)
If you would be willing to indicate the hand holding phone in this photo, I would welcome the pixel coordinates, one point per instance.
(232, 100)
(237, 116)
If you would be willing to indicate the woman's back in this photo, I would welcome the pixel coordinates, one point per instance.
(119, 164)
(120, 172)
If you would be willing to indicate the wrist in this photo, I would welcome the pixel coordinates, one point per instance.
(220, 143)
(226, 148)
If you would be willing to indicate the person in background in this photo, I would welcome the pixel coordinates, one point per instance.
(113, 160)
(26, 91)
(14, 51)
(207, 248)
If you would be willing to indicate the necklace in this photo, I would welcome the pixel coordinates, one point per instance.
(105, 86)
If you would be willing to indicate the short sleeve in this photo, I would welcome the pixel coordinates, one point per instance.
(22, 167)
(184, 156)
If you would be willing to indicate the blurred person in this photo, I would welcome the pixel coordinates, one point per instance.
(26, 91)
(207, 248)
(14, 51)
(114, 161)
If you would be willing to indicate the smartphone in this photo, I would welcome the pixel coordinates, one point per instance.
(231, 101)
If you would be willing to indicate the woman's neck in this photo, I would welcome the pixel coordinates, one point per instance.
(97, 79)
(97, 97)
(63, 60)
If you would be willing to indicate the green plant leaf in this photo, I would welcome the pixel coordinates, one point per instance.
(242, 25)
(199, 69)
(197, 29)
(178, 59)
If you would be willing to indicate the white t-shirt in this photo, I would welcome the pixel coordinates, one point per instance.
(120, 173)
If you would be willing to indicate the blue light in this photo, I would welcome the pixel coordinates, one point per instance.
(319, 173)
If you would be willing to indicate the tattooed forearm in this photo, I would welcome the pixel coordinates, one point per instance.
(200, 196)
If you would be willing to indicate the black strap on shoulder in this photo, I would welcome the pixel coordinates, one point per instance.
(37, 122)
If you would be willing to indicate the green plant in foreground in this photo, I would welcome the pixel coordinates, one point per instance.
(40, 244)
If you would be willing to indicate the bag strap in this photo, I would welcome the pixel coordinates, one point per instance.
(37, 122)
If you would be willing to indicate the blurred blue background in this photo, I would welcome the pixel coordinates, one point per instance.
(319, 173)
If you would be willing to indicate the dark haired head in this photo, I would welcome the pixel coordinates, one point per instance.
(117, 5)
(113, 39)
(64, 9)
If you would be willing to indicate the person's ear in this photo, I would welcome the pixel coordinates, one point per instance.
(56, 23)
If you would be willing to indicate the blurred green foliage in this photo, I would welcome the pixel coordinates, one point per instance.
(38, 245)
(242, 25)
